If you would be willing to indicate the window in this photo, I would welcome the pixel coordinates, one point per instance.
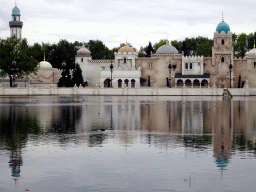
(14, 18)
(190, 66)
(124, 60)
(222, 59)
(186, 66)
(254, 64)
(150, 65)
(82, 59)
(222, 42)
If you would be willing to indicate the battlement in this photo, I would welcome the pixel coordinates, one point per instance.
(120, 69)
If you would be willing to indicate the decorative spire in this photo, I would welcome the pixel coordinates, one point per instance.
(222, 16)
(15, 4)
(44, 56)
(126, 42)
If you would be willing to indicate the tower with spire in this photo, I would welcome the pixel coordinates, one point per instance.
(16, 24)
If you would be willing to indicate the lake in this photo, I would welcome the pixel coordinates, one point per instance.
(129, 143)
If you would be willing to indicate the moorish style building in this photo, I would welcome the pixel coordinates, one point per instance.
(16, 24)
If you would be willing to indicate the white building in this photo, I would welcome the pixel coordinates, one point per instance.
(98, 73)
(15, 24)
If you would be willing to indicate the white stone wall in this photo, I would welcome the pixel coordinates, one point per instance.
(197, 65)
(119, 58)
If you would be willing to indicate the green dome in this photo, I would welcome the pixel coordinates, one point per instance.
(15, 11)
(223, 26)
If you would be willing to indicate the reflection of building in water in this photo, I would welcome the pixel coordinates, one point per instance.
(117, 113)
(192, 117)
(161, 116)
(15, 163)
(222, 126)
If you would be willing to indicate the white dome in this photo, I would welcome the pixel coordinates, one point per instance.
(167, 49)
(83, 51)
(251, 54)
(45, 65)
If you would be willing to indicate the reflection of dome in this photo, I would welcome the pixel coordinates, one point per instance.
(15, 11)
(126, 49)
(251, 53)
(45, 65)
(83, 51)
(222, 163)
(223, 26)
(167, 49)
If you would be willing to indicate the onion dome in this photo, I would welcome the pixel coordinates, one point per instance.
(15, 11)
(223, 26)
(83, 51)
(45, 65)
(126, 49)
(251, 53)
(167, 49)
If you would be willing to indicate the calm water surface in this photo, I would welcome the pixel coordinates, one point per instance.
(85, 143)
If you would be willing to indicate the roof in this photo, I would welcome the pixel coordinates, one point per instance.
(165, 49)
(205, 75)
(126, 49)
(15, 11)
(223, 26)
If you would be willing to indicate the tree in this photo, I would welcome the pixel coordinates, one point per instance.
(13, 49)
(149, 49)
(241, 45)
(204, 47)
(78, 77)
(99, 50)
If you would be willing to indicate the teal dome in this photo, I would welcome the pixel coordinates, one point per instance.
(15, 11)
(223, 26)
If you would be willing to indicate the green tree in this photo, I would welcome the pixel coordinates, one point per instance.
(204, 47)
(99, 50)
(78, 77)
(13, 49)
(241, 45)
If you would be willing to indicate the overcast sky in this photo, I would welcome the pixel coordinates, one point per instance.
(112, 21)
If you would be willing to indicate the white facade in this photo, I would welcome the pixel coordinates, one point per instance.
(98, 74)
(192, 65)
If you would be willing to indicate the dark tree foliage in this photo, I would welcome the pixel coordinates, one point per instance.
(99, 50)
(16, 49)
(65, 79)
(78, 77)
(149, 50)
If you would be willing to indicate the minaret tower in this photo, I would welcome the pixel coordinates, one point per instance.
(16, 24)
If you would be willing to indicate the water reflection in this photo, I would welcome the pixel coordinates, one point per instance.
(223, 127)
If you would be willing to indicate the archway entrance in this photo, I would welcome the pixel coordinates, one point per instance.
(119, 83)
(132, 83)
(107, 83)
(126, 82)
(188, 83)
(179, 83)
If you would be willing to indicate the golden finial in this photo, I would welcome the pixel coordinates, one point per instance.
(222, 16)
(15, 4)
(126, 42)
(44, 56)
(254, 45)
(83, 42)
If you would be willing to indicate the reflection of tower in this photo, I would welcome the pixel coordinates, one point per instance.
(15, 163)
(16, 24)
(222, 130)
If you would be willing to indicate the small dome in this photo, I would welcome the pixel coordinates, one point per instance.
(126, 49)
(83, 51)
(167, 49)
(45, 65)
(223, 26)
(251, 53)
(15, 11)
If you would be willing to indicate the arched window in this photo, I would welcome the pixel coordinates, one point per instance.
(14, 18)
(119, 83)
(186, 66)
(222, 59)
(82, 59)
(190, 66)
(222, 42)
(124, 60)
(132, 83)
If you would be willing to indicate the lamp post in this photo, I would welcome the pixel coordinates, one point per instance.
(230, 70)
(63, 65)
(111, 70)
(170, 73)
(13, 70)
